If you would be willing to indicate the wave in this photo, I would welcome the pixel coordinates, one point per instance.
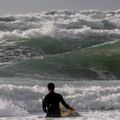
(60, 24)
(37, 47)
(100, 62)
(8, 109)
(96, 98)
(18, 100)
(61, 43)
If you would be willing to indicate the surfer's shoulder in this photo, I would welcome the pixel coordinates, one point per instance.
(59, 95)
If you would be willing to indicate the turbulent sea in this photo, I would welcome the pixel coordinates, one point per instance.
(78, 50)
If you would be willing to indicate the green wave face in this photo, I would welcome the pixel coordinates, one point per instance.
(50, 46)
(100, 62)
(68, 44)
(47, 45)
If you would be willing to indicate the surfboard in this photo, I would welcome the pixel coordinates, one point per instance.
(69, 113)
(64, 113)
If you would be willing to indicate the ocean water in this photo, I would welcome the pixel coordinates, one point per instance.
(61, 44)
(77, 50)
(20, 98)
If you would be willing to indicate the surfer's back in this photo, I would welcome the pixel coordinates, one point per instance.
(53, 99)
(51, 103)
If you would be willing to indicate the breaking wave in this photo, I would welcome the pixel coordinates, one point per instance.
(8, 109)
(55, 35)
(60, 24)
(19, 100)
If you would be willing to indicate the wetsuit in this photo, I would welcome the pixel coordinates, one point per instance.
(50, 104)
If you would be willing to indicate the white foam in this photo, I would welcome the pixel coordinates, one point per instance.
(19, 100)
(94, 98)
(8, 109)
(82, 98)
(61, 24)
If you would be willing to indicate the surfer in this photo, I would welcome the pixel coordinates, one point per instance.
(51, 101)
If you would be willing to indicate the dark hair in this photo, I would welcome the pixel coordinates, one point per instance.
(51, 86)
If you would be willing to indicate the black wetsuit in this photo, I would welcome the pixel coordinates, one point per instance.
(50, 104)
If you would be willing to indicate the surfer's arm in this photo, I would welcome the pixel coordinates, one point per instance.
(65, 104)
(44, 107)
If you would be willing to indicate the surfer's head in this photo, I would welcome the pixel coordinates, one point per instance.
(51, 86)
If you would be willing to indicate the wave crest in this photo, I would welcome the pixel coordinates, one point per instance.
(60, 24)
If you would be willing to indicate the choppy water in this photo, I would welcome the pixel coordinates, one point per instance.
(20, 98)
(64, 43)
(61, 24)
(67, 47)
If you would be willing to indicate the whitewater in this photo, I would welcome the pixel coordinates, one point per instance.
(21, 98)
(77, 50)
(60, 24)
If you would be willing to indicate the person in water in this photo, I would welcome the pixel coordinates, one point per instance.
(51, 101)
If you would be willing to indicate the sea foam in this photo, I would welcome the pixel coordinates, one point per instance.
(60, 24)
(27, 99)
